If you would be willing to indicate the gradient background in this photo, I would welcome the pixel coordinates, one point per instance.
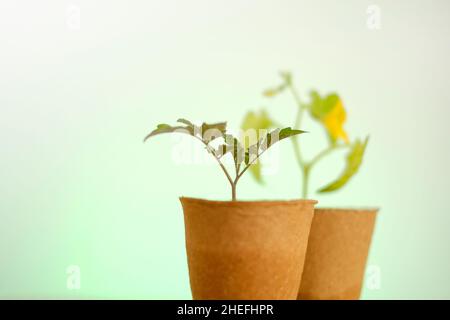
(79, 187)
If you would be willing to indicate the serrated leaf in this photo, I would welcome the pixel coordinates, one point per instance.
(278, 135)
(254, 151)
(219, 126)
(238, 152)
(289, 132)
(354, 160)
(202, 132)
(186, 122)
(251, 154)
(247, 158)
(222, 150)
(162, 126)
(212, 131)
(233, 145)
(266, 141)
(165, 128)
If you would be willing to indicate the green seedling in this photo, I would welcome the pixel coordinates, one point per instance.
(244, 154)
(329, 111)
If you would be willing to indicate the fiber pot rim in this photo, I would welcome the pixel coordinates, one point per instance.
(360, 210)
(230, 203)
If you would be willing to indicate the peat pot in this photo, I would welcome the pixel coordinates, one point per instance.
(337, 251)
(246, 249)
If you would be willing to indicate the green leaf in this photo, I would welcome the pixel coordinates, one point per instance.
(220, 126)
(289, 132)
(255, 167)
(278, 135)
(319, 107)
(252, 162)
(162, 126)
(213, 131)
(354, 160)
(247, 158)
(238, 152)
(222, 150)
(257, 120)
(255, 170)
(233, 145)
(165, 128)
(330, 113)
(186, 122)
(202, 132)
(253, 152)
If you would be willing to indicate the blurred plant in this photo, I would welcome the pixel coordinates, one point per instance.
(244, 154)
(329, 111)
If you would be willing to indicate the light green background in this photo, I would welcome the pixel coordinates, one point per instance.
(78, 186)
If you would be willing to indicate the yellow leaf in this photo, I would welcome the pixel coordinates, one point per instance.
(270, 92)
(334, 122)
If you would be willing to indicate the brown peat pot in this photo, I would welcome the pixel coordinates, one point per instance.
(246, 249)
(337, 251)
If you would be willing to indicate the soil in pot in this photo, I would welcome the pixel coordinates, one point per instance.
(246, 249)
(337, 252)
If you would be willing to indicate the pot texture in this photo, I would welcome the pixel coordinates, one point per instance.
(338, 247)
(246, 249)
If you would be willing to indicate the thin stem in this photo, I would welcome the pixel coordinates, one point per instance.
(306, 171)
(219, 162)
(297, 153)
(238, 167)
(295, 141)
(298, 121)
(233, 192)
(304, 165)
(249, 164)
(325, 152)
(296, 144)
(234, 185)
(301, 107)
